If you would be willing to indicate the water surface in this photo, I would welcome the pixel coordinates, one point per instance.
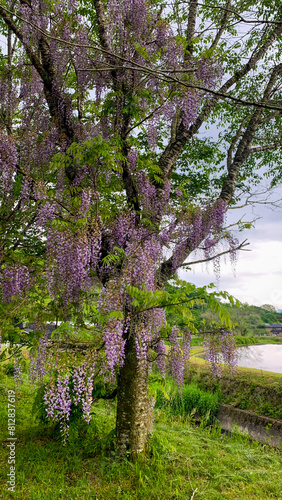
(263, 357)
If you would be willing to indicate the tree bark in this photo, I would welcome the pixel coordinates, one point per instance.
(132, 404)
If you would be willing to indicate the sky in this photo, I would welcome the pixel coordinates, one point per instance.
(257, 279)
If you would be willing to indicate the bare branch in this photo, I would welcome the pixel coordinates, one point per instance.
(270, 117)
(239, 247)
(270, 147)
(223, 24)
(240, 17)
(147, 117)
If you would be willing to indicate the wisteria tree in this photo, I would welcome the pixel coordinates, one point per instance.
(106, 184)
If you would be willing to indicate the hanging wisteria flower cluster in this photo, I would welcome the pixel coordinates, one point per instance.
(38, 358)
(70, 258)
(220, 347)
(8, 162)
(14, 280)
(18, 370)
(69, 390)
(178, 355)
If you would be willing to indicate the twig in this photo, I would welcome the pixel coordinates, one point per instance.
(194, 491)
(239, 247)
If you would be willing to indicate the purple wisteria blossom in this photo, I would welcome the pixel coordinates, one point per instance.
(37, 365)
(67, 390)
(114, 344)
(58, 402)
(8, 161)
(69, 260)
(18, 371)
(15, 280)
(219, 348)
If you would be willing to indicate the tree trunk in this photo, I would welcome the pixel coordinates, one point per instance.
(132, 404)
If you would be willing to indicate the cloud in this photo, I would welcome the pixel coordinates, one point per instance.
(258, 273)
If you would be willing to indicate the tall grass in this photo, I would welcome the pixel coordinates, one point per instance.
(191, 401)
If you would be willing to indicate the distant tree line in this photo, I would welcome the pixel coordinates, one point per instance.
(247, 319)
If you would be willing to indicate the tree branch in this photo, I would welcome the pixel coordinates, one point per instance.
(190, 32)
(172, 151)
(32, 56)
(270, 147)
(101, 20)
(223, 24)
(165, 75)
(233, 142)
(208, 259)
(240, 17)
(56, 102)
(168, 304)
(243, 149)
(270, 117)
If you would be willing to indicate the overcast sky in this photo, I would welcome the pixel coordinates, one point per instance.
(258, 278)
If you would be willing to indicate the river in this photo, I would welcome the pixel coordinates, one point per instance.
(263, 357)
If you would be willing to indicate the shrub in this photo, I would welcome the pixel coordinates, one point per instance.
(245, 340)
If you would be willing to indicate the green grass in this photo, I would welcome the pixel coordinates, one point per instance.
(248, 340)
(250, 389)
(191, 402)
(258, 340)
(181, 459)
(268, 340)
(196, 341)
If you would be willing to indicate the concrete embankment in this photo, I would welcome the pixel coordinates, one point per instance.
(257, 427)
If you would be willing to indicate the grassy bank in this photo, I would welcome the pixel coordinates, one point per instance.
(198, 341)
(181, 460)
(258, 340)
(249, 389)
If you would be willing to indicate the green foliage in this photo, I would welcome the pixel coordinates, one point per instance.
(200, 169)
(191, 301)
(244, 340)
(9, 368)
(190, 402)
(246, 320)
(38, 407)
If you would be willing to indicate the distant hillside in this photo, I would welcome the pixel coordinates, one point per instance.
(249, 320)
